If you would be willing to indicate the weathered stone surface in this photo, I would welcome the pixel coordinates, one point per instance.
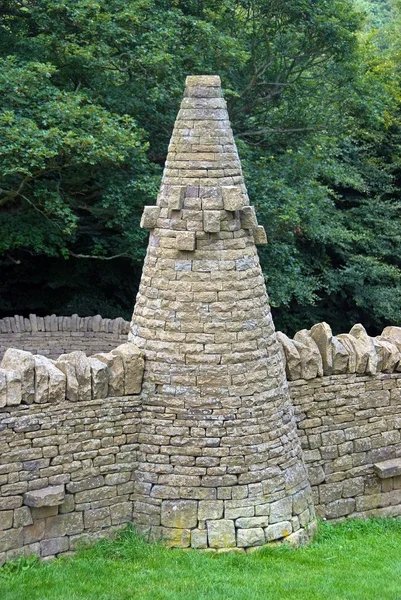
(292, 356)
(247, 538)
(281, 510)
(388, 355)
(232, 198)
(3, 388)
(150, 216)
(365, 347)
(54, 546)
(100, 378)
(210, 509)
(211, 221)
(116, 372)
(21, 361)
(311, 360)
(76, 367)
(49, 496)
(278, 531)
(388, 468)
(393, 334)
(259, 235)
(134, 364)
(51, 382)
(341, 358)
(14, 387)
(221, 534)
(182, 514)
(186, 240)
(322, 335)
(199, 538)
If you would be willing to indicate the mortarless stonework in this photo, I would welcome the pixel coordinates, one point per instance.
(219, 460)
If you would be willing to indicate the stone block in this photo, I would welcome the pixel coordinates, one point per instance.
(339, 508)
(150, 216)
(6, 519)
(278, 531)
(67, 524)
(249, 522)
(186, 240)
(248, 218)
(199, 538)
(175, 197)
(10, 539)
(134, 364)
(22, 517)
(210, 509)
(247, 538)
(21, 361)
(54, 546)
(259, 235)
(176, 538)
(181, 514)
(100, 379)
(232, 197)
(49, 496)
(281, 510)
(388, 468)
(211, 221)
(221, 534)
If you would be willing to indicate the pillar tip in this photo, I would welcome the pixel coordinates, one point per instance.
(203, 80)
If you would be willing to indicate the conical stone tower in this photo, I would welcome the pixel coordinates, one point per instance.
(219, 463)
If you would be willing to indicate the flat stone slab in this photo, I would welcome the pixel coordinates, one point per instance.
(388, 468)
(49, 496)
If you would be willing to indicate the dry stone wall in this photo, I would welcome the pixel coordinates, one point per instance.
(346, 392)
(52, 335)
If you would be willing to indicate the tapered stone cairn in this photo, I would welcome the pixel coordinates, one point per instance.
(219, 463)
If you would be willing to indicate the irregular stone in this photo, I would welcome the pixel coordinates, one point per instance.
(100, 378)
(3, 388)
(14, 387)
(393, 334)
(22, 517)
(176, 197)
(68, 368)
(349, 342)
(247, 538)
(221, 533)
(341, 357)
(176, 538)
(116, 372)
(388, 355)
(278, 531)
(181, 514)
(248, 217)
(21, 361)
(150, 216)
(321, 333)
(297, 539)
(311, 360)
(365, 347)
(49, 496)
(61, 525)
(259, 235)
(51, 382)
(134, 364)
(292, 357)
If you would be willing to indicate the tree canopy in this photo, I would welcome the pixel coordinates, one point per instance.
(89, 92)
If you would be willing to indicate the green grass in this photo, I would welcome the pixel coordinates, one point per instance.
(355, 560)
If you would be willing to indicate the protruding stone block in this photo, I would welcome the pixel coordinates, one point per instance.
(221, 534)
(14, 387)
(311, 360)
(186, 240)
(259, 235)
(232, 198)
(248, 217)
(50, 381)
(388, 468)
(211, 221)
(292, 357)
(247, 538)
(49, 496)
(100, 378)
(278, 531)
(150, 216)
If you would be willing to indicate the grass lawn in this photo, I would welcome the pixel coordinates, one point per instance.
(355, 560)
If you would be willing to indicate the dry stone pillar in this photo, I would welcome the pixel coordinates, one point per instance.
(219, 465)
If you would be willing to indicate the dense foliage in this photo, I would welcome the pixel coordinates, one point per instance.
(89, 91)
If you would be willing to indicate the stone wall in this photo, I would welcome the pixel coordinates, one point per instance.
(66, 473)
(348, 424)
(52, 335)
